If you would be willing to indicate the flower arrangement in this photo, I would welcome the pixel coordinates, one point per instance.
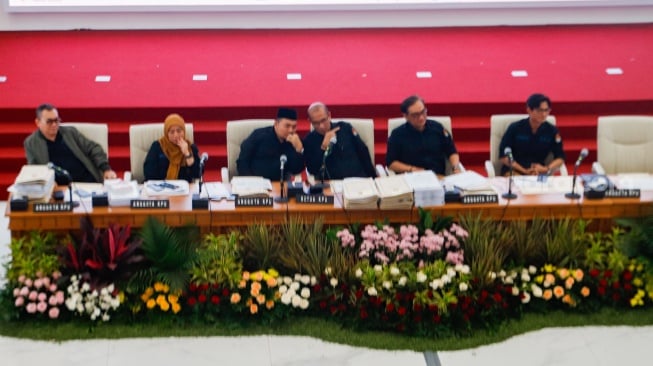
(97, 304)
(159, 297)
(296, 291)
(39, 296)
(257, 291)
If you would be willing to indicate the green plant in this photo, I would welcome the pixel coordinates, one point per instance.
(565, 246)
(426, 221)
(527, 241)
(218, 261)
(637, 239)
(485, 248)
(31, 254)
(171, 253)
(261, 247)
(102, 256)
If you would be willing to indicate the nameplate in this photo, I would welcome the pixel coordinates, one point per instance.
(480, 198)
(623, 193)
(254, 201)
(53, 207)
(314, 199)
(149, 204)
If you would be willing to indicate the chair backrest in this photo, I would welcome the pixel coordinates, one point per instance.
(445, 121)
(141, 137)
(97, 132)
(365, 129)
(625, 144)
(498, 125)
(237, 132)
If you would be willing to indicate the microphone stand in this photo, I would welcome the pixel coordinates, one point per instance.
(201, 178)
(70, 190)
(323, 173)
(282, 198)
(573, 194)
(509, 195)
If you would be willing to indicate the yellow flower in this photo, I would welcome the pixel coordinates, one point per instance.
(173, 299)
(569, 283)
(578, 275)
(558, 291)
(160, 299)
(637, 282)
(166, 288)
(150, 304)
(563, 273)
(146, 295)
(549, 268)
(121, 296)
(235, 298)
(164, 306)
(585, 291)
(158, 287)
(539, 279)
(253, 308)
(260, 299)
(176, 307)
(547, 294)
(269, 304)
(273, 272)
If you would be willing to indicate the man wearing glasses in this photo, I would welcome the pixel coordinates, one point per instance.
(532, 140)
(337, 145)
(66, 147)
(420, 143)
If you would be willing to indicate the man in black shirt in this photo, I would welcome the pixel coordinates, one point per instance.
(260, 152)
(532, 140)
(334, 150)
(420, 143)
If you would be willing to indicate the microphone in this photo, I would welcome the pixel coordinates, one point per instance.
(283, 159)
(59, 170)
(508, 152)
(329, 149)
(204, 158)
(583, 155)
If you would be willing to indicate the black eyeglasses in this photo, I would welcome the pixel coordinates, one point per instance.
(52, 121)
(414, 115)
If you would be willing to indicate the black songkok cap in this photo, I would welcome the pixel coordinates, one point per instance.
(287, 113)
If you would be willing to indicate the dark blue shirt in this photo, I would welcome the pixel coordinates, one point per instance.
(260, 153)
(156, 164)
(348, 158)
(59, 154)
(528, 147)
(427, 149)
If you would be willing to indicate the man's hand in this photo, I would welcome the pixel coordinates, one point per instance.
(327, 137)
(296, 142)
(538, 169)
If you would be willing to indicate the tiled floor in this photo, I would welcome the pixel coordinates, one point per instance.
(596, 346)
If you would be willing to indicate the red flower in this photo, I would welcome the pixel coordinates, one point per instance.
(363, 314)
(417, 307)
(628, 286)
(603, 283)
(497, 297)
(225, 292)
(417, 318)
(215, 299)
(398, 296)
(433, 308)
(215, 286)
(203, 287)
(616, 285)
(359, 294)
(401, 311)
(436, 318)
(401, 327)
(317, 288)
(191, 301)
(342, 307)
(323, 304)
(616, 297)
(627, 276)
(333, 309)
(192, 287)
(607, 273)
(390, 307)
(483, 296)
(594, 272)
(601, 291)
(201, 298)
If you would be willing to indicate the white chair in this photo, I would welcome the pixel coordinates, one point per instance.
(498, 125)
(141, 137)
(624, 144)
(237, 132)
(97, 132)
(393, 123)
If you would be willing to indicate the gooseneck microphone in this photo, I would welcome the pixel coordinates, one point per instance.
(65, 173)
(509, 195)
(203, 159)
(329, 149)
(573, 195)
(283, 159)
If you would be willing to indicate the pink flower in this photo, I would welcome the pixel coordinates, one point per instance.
(16, 292)
(38, 283)
(42, 307)
(56, 275)
(28, 282)
(21, 279)
(52, 301)
(60, 297)
(46, 281)
(31, 308)
(53, 287)
(24, 291)
(42, 296)
(20, 301)
(33, 296)
(53, 313)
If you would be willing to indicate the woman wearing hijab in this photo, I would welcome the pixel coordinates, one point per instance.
(172, 156)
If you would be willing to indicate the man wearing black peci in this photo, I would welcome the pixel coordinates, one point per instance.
(261, 151)
(337, 145)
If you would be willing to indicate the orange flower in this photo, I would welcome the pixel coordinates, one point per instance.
(260, 299)
(176, 307)
(150, 303)
(242, 284)
(549, 280)
(269, 304)
(563, 273)
(256, 288)
(253, 308)
(558, 291)
(547, 294)
(271, 282)
(578, 275)
(567, 299)
(245, 276)
(585, 291)
(569, 283)
(235, 298)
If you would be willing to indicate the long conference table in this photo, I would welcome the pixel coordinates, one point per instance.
(222, 215)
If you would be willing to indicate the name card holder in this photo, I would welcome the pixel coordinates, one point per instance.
(149, 204)
(53, 207)
(472, 199)
(623, 193)
(254, 201)
(315, 199)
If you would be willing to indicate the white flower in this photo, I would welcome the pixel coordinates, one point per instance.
(313, 280)
(328, 271)
(421, 277)
(436, 284)
(378, 268)
(445, 279)
(526, 298)
(525, 277)
(86, 287)
(508, 280)
(462, 287)
(106, 317)
(372, 291)
(359, 273)
(402, 281)
(115, 303)
(110, 288)
(287, 280)
(296, 300)
(532, 269)
(334, 282)
(286, 298)
(298, 277)
(306, 279)
(283, 289)
(451, 272)
(294, 286)
(303, 304)
(465, 269)
(387, 285)
(537, 291)
(394, 271)
(492, 275)
(502, 273)
(104, 292)
(515, 291)
(305, 293)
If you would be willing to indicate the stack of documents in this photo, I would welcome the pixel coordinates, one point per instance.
(394, 193)
(251, 186)
(166, 188)
(426, 187)
(36, 182)
(122, 192)
(359, 193)
(215, 191)
(533, 184)
(643, 181)
(469, 182)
